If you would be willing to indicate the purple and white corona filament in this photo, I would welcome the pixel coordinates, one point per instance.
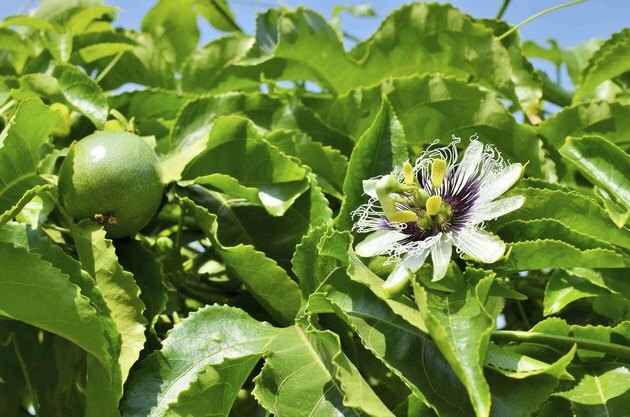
(434, 205)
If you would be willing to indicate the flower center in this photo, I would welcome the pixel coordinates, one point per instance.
(435, 218)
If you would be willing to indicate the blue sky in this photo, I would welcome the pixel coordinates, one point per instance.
(569, 26)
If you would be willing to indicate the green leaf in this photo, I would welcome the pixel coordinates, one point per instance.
(278, 236)
(81, 19)
(549, 253)
(575, 211)
(194, 352)
(617, 212)
(173, 24)
(612, 306)
(151, 103)
(98, 51)
(381, 149)
(603, 163)
(215, 388)
(32, 288)
(322, 253)
(146, 64)
(92, 46)
(104, 384)
(205, 65)
(460, 326)
(436, 107)
(609, 61)
(564, 288)
(37, 211)
(390, 329)
(219, 14)
(521, 397)
(553, 54)
(515, 365)
(59, 45)
(275, 236)
(599, 390)
(608, 119)
(404, 349)
(20, 143)
(196, 119)
(36, 23)
(50, 9)
(263, 176)
(527, 84)
(307, 373)
(576, 58)
(526, 230)
(98, 258)
(300, 45)
(82, 93)
(611, 279)
(264, 279)
(402, 306)
(147, 272)
(327, 163)
(22, 202)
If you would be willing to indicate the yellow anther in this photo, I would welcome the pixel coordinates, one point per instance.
(433, 205)
(403, 216)
(438, 172)
(409, 175)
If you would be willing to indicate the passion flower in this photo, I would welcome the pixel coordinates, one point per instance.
(434, 205)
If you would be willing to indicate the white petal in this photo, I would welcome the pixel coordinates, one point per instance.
(369, 187)
(494, 209)
(480, 245)
(378, 242)
(469, 163)
(500, 185)
(441, 255)
(409, 264)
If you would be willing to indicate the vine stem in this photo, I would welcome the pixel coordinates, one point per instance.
(555, 340)
(12, 340)
(502, 9)
(180, 224)
(537, 15)
(109, 67)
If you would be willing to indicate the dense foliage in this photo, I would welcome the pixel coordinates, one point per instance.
(243, 296)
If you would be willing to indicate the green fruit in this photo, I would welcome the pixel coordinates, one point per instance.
(114, 179)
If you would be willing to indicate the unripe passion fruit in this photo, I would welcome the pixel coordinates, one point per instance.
(113, 178)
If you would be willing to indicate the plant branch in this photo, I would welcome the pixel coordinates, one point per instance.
(537, 15)
(555, 340)
(502, 9)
